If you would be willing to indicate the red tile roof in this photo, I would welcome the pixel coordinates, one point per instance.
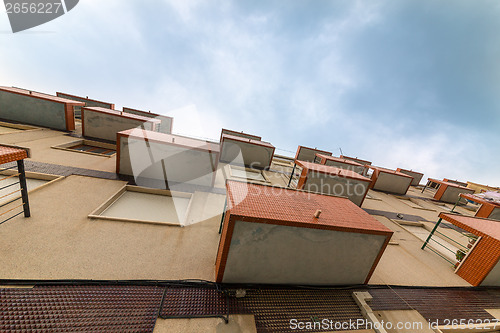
(80, 309)
(266, 204)
(439, 305)
(265, 303)
(35, 94)
(9, 154)
(170, 139)
(242, 139)
(485, 254)
(331, 170)
(389, 171)
(474, 225)
(339, 159)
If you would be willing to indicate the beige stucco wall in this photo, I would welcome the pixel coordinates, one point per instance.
(410, 321)
(41, 141)
(59, 241)
(236, 324)
(405, 263)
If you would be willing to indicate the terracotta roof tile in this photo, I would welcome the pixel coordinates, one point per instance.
(9, 154)
(80, 309)
(272, 307)
(438, 304)
(487, 227)
(297, 208)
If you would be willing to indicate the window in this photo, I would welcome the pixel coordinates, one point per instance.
(89, 147)
(93, 149)
(10, 188)
(145, 205)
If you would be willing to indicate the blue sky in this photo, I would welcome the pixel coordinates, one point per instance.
(413, 84)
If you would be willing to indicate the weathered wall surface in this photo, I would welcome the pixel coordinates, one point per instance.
(105, 126)
(244, 153)
(166, 122)
(352, 189)
(266, 253)
(392, 183)
(168, 162)
(33, 111)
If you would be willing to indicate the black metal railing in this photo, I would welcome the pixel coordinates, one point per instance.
(437, 242)
(12, 212)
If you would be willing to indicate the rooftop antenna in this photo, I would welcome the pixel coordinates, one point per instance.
(341, 153)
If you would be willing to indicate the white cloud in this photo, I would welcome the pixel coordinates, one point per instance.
(192, 122)
(242, 71)
(444, 153)
(186, 9)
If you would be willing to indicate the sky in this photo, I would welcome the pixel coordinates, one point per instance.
(411, 83)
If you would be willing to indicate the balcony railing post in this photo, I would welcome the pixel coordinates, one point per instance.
(432, 233)
(24, 188)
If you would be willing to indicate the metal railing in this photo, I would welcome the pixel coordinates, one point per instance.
(11, 213)
(459, 253)
(294, 177)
